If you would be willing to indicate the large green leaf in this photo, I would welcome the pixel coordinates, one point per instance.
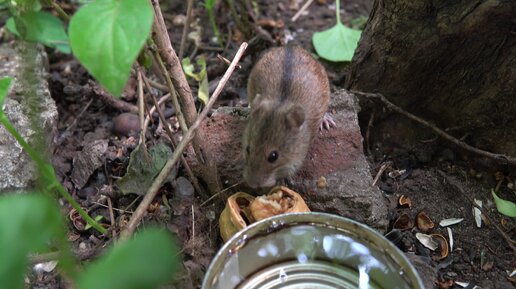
(5, 83)
(107, 35)
(505, 207)
(143, 167)
(337, 43)
(146, 261)
(29, 223)
(40, 27)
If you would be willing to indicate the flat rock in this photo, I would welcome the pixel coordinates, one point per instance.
(30, 109)
(336, 155)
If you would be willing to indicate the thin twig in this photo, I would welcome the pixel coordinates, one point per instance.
(193, 228)
(172, 91)
(217, 194)
(160, 179)
(380, 172)
(114, 209)
(189, 172)
(497, 157)
(305, 6)
(368, 132)
(100, 93)
(59, 10)
(157, 85)
(203, 153)
(141, 116)
(454, 183)
(184, 36)
(111, 217)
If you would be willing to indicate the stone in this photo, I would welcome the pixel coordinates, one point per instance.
(336, 155)
(30, 109)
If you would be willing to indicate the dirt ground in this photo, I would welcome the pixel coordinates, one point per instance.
(433, 178)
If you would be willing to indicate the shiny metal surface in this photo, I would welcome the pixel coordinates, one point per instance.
(310, 250)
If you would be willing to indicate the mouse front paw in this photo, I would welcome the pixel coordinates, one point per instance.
(327, 122)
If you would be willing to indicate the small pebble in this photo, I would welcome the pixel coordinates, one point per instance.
(126, 124)
(321, 183)
(184, 187)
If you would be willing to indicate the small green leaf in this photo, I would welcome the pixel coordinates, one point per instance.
(209, 4)
(30, 222)
(203, 92)
(41, 27)
(188, 68)
(505, 207)
(107, 36)
(200, 77)
(337, 43)
(147, 261)
(142, 169)
(98, 218)
(11, 26)
(5, 83)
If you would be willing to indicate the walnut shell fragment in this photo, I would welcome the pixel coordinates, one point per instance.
(280, 200)
(443, 245)
(424, 223)
(404, 222)
(243, 209)
(404, 201)
(236, 215)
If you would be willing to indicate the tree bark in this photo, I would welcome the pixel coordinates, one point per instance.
(450, 62)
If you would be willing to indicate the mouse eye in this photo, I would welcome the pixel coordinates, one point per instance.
(248, 150)
(273, 156)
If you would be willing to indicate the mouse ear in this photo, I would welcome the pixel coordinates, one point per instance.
(295, 117)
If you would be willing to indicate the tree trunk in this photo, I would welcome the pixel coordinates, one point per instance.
(450, 62)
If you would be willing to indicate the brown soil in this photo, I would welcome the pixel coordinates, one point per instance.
(480, 255)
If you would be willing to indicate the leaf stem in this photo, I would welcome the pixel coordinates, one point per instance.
(48, 174)
(337, 11)
(59, 10)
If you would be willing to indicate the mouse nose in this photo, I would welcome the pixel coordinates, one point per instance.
(257, 181)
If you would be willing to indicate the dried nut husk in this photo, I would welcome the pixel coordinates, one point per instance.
(236, 215)
(405, 201)
(443, 245)
(424, 223)
(403, 222)
(279, 200)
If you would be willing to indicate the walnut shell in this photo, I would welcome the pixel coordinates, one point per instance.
(236, 215)
(243, 209)
(280, 200)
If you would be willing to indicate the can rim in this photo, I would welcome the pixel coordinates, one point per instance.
(318, 218)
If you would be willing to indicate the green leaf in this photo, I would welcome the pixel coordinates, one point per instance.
(41, 27)
(201, 77)
(209, 4)
(30, 222)
(97, 219)
(146, 261)
(337, 43)
(505, 207)
(106, 36)
(5, 83)
(189, 68)
(203, 92)
(11, 26)
(142, 169)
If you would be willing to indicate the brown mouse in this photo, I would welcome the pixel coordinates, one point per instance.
(288, 92)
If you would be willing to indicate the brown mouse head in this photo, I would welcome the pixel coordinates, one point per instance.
(275, 142)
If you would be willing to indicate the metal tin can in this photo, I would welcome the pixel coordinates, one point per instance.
(310, 250)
